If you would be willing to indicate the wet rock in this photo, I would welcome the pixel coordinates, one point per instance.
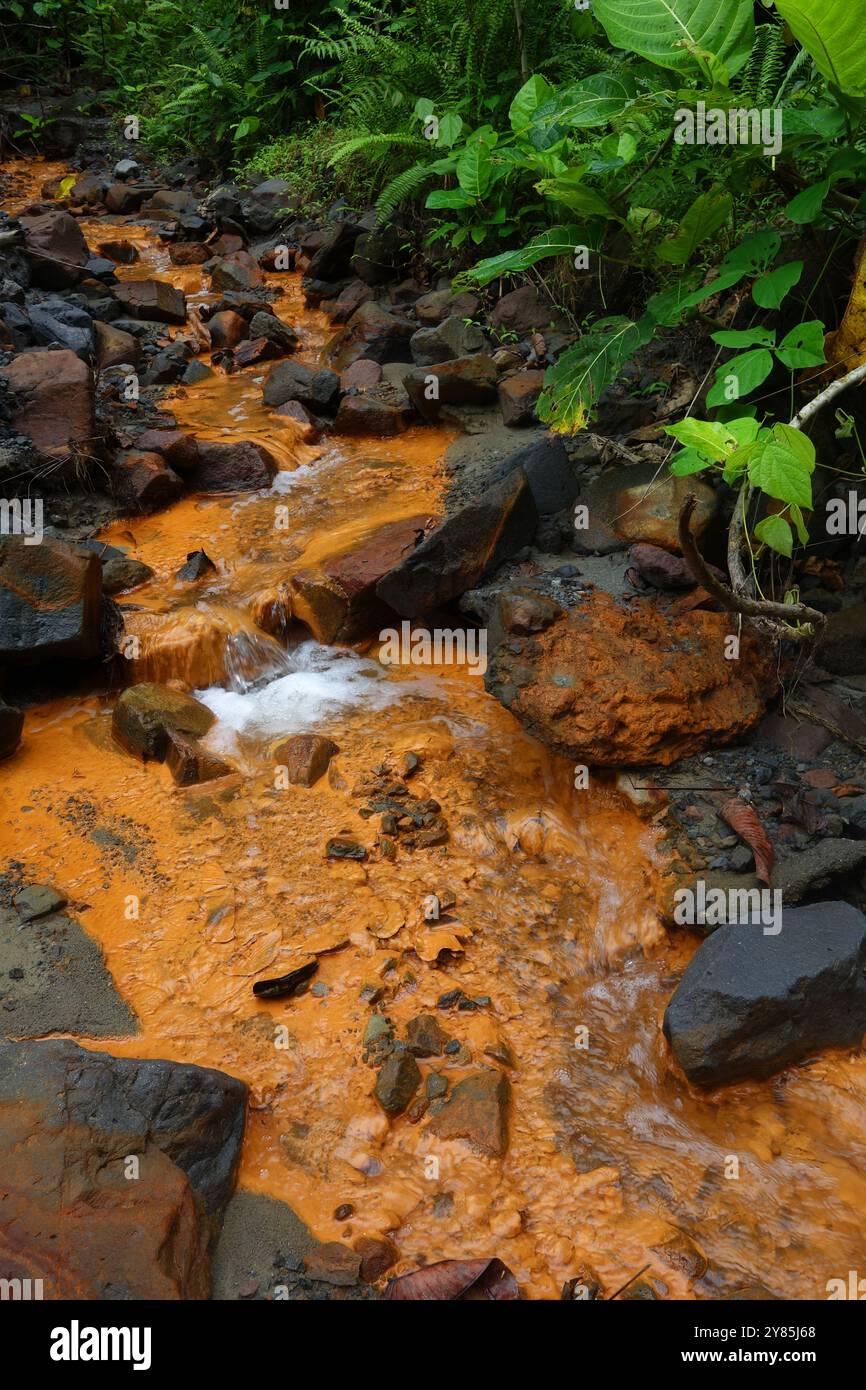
(750, 1004)
(469, 543)
(235, 466)
(548, 469)
(342, 847)
(523, 311)
(267, 205)
(425, 1037)
(341, 309)
(377, 1256)
(179, 450)
(50, 602)
(611, 684)
(447, 341)
(264, 325)
(293, 381)
(67, 325)
(121, 252)
(184, 253)
(190, 764)
(334, 1263)
(465, 381)
(397, 1083)
(52, 975)
(366, 415)
(373, 332)
(146, 714)
(11, 728)
(168, 366)
(38, 900)
(195, 372)
(144, 482)
(518, 395)
(380, 255)
(121, 198)
(660, 568)
(198, 564)
(227, 329)
(56, 249)
(68, 1117)
(114, 348)
(477, 1111)
(362, 375)
(309, 426)
(54, 404)
(432, 308)
(89, 190)
(237, 273)
(305, 757)
(339, 601)
(332, 260)
(120, 573)
(436, 1086)
(173, 202)
(630, 505)
(152, 299)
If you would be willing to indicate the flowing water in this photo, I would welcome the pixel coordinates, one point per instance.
(194, 893)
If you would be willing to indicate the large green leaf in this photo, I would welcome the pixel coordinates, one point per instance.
(573, 385)
(557, 241)
(832, 31)
(707, 214)
(592, 102)
(524, 106)
(575, 195)
(474, 168)
(668, 31)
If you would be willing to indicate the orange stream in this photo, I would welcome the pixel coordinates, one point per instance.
(611, 1151)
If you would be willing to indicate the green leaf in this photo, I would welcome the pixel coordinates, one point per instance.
(594, 101)
(775, 532)
(753, 254)
(706, 215)
(803, 346)
(744, 337)
(686, 462)
(532, 94)
(474, 168)
(661, 30)
(557, 241)
(797, 518)
(741, 375)
(832, 32)
(799, 444)
(449, 198)
(777, 471)
(573, 385)
(707, 437)
(808, 204)
(576, 196)
(450, 127)
(769, 291)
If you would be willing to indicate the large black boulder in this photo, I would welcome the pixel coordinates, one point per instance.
(750, 1003)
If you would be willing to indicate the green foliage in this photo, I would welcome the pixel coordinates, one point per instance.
(674, 33)
(832, 32)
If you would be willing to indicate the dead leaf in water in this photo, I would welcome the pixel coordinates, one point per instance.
(743, 819)
(452, 1280)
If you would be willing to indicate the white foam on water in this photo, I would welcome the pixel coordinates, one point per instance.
(325, 684)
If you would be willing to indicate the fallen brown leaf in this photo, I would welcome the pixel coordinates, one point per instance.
(456, 1279)
(743, 819)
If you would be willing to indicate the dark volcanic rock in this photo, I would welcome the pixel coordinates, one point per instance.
(70, 1122)
(465, 381)
(146, 714)
(749, 1003)
(468, 544)
(56, 249)
(11, 727)
(293, 381)
(55, 403)
(234, 466)
(397, 1083)
(152, 299)
(50, 602)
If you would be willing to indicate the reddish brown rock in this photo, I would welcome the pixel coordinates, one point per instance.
(144, 482)
(56, 249)
(377, 1254)
(307, 427)
(333, 1263)
(50, 602)
(257, 350)
(365, 415)
(362, 375)
(237, 272)
(372, 332)
(72, 1217)
(189, 763)
(152, 299)
(524, 310)
(124, 198)
(341, 309)
(55, 397)
(234, 466)
(188, 253)
(660, 568)
(614, 684)
(439, 305)
(338, 601)
(227, 329)
(114, 347)
(466, 381)
(305, 757)
(477, 1111)
(227, 244)
(517, 397)
(179, 450)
